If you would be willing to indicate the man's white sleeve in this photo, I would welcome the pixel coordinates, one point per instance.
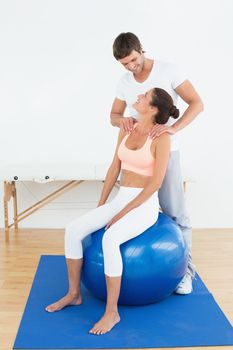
(178, 76)
(120, 91)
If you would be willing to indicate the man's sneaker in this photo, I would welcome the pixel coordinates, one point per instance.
(185, 286)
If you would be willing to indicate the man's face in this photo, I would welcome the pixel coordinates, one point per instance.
(134, 62)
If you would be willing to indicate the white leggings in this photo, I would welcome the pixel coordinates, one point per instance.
(129, 226)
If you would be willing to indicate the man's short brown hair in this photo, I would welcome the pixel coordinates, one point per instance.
(124, 44)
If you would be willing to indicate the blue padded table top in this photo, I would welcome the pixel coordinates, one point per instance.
(178, 321)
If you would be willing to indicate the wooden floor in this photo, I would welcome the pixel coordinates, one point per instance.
(212, 253)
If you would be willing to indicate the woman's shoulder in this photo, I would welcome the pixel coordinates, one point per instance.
(164, 137)
(162, 141)
(121, 135)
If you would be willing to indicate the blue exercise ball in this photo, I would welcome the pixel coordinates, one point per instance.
(153, 263)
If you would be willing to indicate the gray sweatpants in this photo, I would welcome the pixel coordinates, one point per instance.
(172, 202)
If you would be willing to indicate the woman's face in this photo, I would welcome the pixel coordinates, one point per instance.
(143, 103)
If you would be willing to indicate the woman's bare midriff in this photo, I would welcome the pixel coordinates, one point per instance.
(131, 179)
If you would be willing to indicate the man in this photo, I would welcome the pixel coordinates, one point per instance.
(144, 74)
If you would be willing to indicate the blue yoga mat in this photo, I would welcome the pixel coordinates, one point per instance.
(191, 320)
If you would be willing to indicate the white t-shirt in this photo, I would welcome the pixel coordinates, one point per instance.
(163, 75)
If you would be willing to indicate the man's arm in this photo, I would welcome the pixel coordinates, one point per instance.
(117, 116)
(117, 112)
(195, 105)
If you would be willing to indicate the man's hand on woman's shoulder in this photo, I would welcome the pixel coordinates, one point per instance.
(159, 129)
(127, 123)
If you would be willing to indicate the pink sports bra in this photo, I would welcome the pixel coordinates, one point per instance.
(139, 160)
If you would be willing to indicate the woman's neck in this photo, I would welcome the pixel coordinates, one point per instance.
(144, 125)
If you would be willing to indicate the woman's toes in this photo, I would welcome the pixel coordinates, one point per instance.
(50, 308)
(106, 323)
(92, 330)
(97, 331)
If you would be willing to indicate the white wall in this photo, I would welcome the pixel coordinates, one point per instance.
(58, 77)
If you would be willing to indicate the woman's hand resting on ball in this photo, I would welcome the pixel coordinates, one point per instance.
(115, 219)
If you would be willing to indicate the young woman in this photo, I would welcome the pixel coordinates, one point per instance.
(134, 209)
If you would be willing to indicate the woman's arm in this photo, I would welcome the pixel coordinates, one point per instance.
(113, 172)
(154, 182)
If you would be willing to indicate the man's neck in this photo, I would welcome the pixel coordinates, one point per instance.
(146, 70)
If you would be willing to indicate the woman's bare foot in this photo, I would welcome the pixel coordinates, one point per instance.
(68, 299)
(106, 323)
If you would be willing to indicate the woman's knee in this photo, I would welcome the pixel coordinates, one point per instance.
(109, 240)
(72, 231)
(112, 256)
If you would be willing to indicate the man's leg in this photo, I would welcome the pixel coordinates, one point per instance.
(172, 202)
